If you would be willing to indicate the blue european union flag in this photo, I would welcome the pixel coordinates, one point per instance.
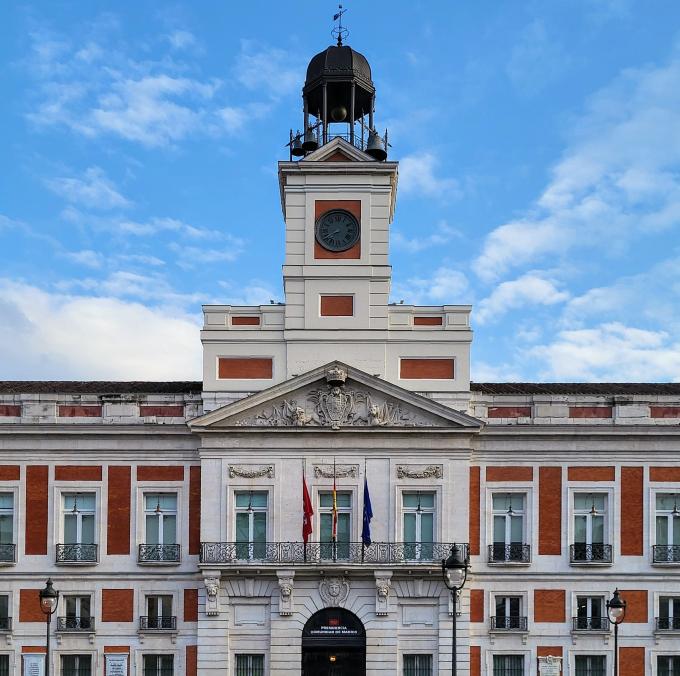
(368, 515)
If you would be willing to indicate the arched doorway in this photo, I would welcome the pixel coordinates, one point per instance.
(334, 644)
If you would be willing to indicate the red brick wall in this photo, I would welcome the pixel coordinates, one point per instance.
(550, 510)
(245, 368)
(337, 306)
(475, 660)
(427, 321)
(632, 511)
(426, 369)
(29, 606)
(509, 473)
(162, 411)
(664, 411)
(68, 411)
(602, 473)
(192, 660)
(191, 605)
(670, 474)
(194, 509)
(118, 518)
(160, 473)
(78, 473)
(474, 510)
(476, 605)
(549, 605)
(509, 412)
(10, 473)
(354, 208)
(36, 510)
(10, 410)
(590, 411)
(245, 321)
(637, 602)
(631, 661)
(118, 605)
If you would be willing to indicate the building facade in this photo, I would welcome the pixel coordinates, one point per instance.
(170, 515)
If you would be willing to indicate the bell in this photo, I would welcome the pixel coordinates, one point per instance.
(339, 113)
(309, 144)
(375, 147)
(296, 149)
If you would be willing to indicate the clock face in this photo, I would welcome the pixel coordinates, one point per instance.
(337, 230)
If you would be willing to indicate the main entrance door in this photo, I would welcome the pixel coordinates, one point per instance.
(334, 644)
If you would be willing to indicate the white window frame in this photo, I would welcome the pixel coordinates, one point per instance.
(160, 520)
(56, 668)
(430, 653)
(254, 651)
(657, 605)
(655, 654)
(69, 488)
(11, 656)
(673, 490)
(161, 487)
(610, 513)
(527, 526)
(319, 510)
(409, 510)
(142, 605)
(398, 533)
(267, 510)
(79, 521)
(79, 596)
(177, 665)
(526, 655)
(13, 491)
(608, 655)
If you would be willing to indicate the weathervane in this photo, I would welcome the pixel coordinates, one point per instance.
(339, 32)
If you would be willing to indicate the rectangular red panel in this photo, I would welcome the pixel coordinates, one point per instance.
(509, 412)
(476, 605)
(420, 320)
(118, 518)
(118, 605)
(669, 474)
(116, 648)
(160, 473)
(10, 410)
(475, 660)
(631, 661)
(550, 510)
(29, 606)
(33, 649)
(590, 411)
(245, 321)
(632, 511)
(78, 473)
(637, 602)
(354, 208)
(10, 472)
(37, 483)
(192, 660)
(68, 411)
(600, 473)
(245, 368)
(162, 411)
(426, 369)
(337, 306)
(549, 605)
(194, 509)
(664, 411)
(518, 473)
(474, 515)
(191, 605)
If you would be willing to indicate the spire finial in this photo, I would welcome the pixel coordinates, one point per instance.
(339, 32)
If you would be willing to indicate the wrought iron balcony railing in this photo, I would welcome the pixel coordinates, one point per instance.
(668, 623)
(159, 554)
(508, 623)
(77, 553)
(8, 553)
(70, 623)
(509, 553)
(590, 553)
(407, 553)
(666, 553)
(591, 623)
(158, 623)
(5, 624)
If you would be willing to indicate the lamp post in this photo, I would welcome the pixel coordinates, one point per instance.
(454, 572)
(616, 610)
(49, 597)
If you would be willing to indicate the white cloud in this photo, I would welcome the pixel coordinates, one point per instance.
(86, 257)
(61, 336)
(93, 190)
(157, 224)
(189, 257)
(417, 174)
(268, 70)
(481, 372)
(256, 292)
(443, 234)
(181, 39)
(529, 289)
(444, 286)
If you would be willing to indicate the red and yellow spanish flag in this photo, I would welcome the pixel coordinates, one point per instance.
(334, 532)
(307, 512)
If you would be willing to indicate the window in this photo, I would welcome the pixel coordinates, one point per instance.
(417, 665)
(669, 613)
(160, 517)
(509, 613)
(668, 665)
(508, 665)
(159, 613)
(249, 665)
(667, 547)
(590, 665)
(4, 665)
(508, 527)
(5, 620)
(340, 548)
(76, 665)
(251, 525)
(78, 614)
(590, 525)
(419, 509)
(158, 665)
(7, 527)
(78, 522)
(591, 614)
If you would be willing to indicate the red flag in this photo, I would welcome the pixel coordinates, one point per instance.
(307, 512)
(334, 532)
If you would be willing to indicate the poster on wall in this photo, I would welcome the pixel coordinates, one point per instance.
(117, 665)
(549, 666)
(34, 665)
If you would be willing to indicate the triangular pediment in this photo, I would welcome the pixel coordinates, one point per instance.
(338, 150)
(335, 396)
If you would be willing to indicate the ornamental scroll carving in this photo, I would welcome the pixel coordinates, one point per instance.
(212, 590)
(419, 472)
(340, 472)
(251, 472)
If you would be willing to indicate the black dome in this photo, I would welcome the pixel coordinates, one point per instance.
(339, 62)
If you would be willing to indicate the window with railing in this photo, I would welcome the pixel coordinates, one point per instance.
(78, 519)
(158, 665)
(508, 665)
(668, 665)
(158, 613)
(340, 547)
(78, 614)
(160, 521)
(509, 614)
(669, 614)
(591, 614)
(251, 524)
(76, 665)
(5, 619)
(508, 529)
(417, 665)
(419, 524)
(590, 665)
(249, 665)
(590, 529)
(667, 547)
(7, 545)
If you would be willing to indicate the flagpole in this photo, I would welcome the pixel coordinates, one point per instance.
(304, 474)
(363, 544)
(334, 518)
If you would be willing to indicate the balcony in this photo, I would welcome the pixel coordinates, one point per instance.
(590, 553)
(75, 624)
(512, 553)
(8, 553)
(158, 623)
(76, 553)
(666, 554)
(5, 624)
(316, 553)
(509, 623)
(594, 624)
(668, 624)
(159, 554)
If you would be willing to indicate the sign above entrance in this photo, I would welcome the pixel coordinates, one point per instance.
(333, 627)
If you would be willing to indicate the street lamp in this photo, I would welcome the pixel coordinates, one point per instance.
(454, 572)
(49, 597)
(616, 610)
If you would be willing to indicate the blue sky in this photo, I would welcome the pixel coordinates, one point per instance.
(540, 176)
